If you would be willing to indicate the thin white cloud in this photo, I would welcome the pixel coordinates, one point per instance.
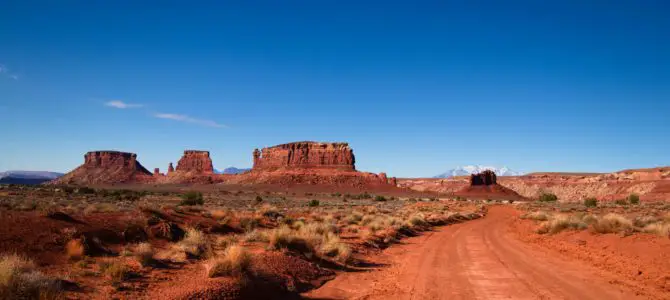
(187, 119)
(15, 77)
(5, 72)
(121, 104)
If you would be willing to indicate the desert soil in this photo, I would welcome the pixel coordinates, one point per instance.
(480, 259)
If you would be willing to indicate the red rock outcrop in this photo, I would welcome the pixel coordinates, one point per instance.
(170, 168)
(105, 167)
(195, 161)
(305, 155)
(486, 177)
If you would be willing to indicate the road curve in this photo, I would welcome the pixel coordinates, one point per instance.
(478, 259)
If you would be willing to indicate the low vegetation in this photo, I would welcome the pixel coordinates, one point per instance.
(547, 197)
(234, 261)
(192, 198)
(19, 279)
(552, 223)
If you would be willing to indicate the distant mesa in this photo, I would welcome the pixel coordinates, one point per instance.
(305, 155)
(474, 169)
(485, 185)
(102, 167)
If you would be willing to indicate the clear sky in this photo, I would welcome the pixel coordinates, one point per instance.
(415, 87)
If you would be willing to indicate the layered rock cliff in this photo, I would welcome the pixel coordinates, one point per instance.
(106, 167)
(486, 177)
(305, 155)
(195, 161)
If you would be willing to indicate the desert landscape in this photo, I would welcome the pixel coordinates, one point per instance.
(304, 223)
(327, 150)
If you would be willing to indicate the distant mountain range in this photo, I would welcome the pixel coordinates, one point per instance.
(467, 170)
(231, 170)
(27, 177)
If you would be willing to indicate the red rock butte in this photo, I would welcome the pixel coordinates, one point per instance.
(487, 177)
(195, 161)
(107, 167)
(305, 155)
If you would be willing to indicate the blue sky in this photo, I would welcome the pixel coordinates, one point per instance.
(416, 87)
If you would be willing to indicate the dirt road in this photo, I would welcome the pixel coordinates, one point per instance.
(474, 260)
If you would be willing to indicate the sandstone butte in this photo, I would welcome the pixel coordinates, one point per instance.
(307, 162)
(311, 163)
(102, 167)
(305, 155)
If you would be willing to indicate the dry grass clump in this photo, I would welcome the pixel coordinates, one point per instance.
(313, 238)
(234, 261)
(255, 236)
(661, 229)
(19, 279)
(117, 271)
(536, 215)
(612, 223)
(417, 220)
(144, 254)
(194, 244)
(354, 218)
(558, 223)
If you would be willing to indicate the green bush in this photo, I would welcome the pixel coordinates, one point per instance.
(313, 203)
(547, 197)
(380, 198)
(590, 202)
(192, 198)
(259, 199)
(621, 202)
(634, 199)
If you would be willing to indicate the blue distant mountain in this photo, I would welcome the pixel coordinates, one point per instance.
(231, 170)
(27, 177)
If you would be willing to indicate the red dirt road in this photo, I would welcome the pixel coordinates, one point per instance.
(478, 259)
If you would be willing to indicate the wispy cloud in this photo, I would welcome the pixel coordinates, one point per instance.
(187, 119)
(121, 104)
(5, 72)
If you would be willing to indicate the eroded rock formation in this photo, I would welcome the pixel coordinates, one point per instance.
(486, 177)
(195, 161)
(305, 155)
(104, 167)
(170, 168)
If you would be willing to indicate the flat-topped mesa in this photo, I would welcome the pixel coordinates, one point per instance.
(195, 161)
(101, 167)
(305, 155)
(486, 177)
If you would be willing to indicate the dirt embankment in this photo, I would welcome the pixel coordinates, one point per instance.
(497, 257)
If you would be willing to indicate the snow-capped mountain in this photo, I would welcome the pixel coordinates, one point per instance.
(231, 170)
(467, 170)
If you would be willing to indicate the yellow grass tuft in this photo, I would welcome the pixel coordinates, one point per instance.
(235, 261)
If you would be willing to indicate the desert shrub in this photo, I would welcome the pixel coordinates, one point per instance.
(380, 198)
(643, 221)
(255, 236)
(85, 190)
(621, 202)
(418, 219)
(547, 197)
(144, 254)
(234, 261)
(258, 199)
(634, 199)
(116, 271)
(612, 223)
(194, 244)
(19, 279)
(332, 246)
(192, 198)
(559, 223)
(354, 218)
(227, 241)
(313, 203)
(249, 223)
(286, 238)
(536, 215)
(590, 202)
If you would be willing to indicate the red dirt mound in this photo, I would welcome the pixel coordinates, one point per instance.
(104, 167)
